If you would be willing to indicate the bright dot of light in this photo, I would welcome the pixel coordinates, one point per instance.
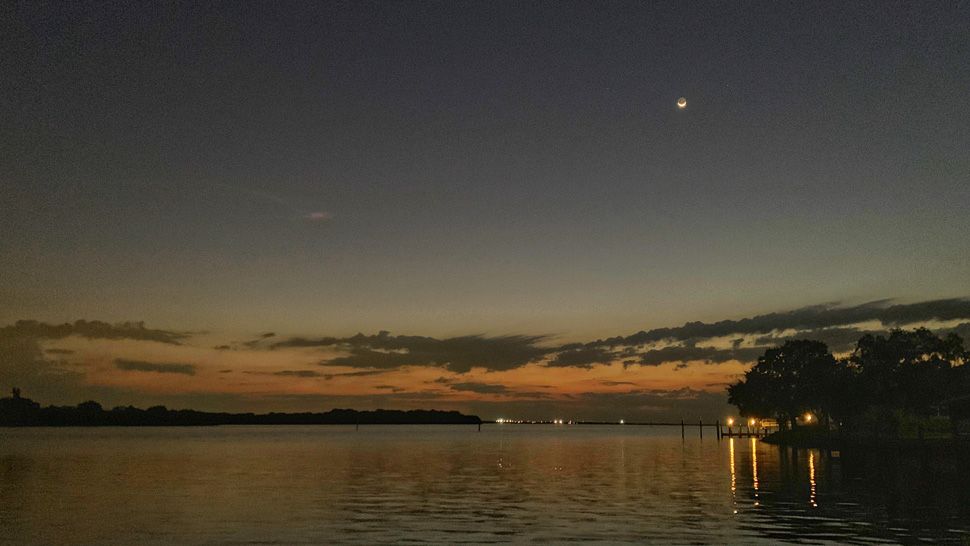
(730, 421)
(682, 103)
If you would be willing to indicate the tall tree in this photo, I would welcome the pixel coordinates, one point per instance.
(911, 370)
(786, 381)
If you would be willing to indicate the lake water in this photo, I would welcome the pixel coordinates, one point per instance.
(451, 484)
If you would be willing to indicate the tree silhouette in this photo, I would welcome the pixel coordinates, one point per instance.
(907, 372)
(786, 381)
(911, 370)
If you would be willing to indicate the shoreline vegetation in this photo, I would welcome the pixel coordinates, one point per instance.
(906, 389)
(17, 411)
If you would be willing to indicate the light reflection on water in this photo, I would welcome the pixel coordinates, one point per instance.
(452, 484)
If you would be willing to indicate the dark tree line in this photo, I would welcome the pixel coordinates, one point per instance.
(907, 371)
(18, 411)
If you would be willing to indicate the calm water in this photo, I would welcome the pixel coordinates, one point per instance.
(451, 484)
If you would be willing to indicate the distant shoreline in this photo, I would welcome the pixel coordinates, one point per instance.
(23, 412)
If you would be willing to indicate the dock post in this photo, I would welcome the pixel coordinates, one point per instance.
(700, 427)
(681, 429)
(479, 426)
(718, 424)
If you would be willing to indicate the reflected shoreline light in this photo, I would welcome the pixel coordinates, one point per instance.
(811, 479)
(734, 477)
(754, 469)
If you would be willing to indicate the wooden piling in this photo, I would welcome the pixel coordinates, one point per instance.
(718, 425)
(700, 427)
(682, 429)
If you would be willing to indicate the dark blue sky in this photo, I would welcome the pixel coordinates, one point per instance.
(480, 167)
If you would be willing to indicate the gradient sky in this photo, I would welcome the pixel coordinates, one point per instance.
(454, 169)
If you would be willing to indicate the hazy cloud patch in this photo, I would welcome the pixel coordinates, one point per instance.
(318, 216)
(157, 367)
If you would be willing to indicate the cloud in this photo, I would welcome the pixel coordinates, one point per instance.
(363, 373)
(33, 357)
(253, 343)
(391, 388)
(581, 357)
(90, 329)
(747, 339)
(686, 353)
(458, 354)
(157, 367)
(481, 388)
(318, 216)
(298, 373)
(838, 339)
(807, 318)
(828, 323)
(23, 364)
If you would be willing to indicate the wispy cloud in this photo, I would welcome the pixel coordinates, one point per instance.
(261, 195)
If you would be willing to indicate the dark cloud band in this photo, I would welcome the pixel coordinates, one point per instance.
(158, 367)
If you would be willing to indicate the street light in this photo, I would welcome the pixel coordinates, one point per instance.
(730, 421)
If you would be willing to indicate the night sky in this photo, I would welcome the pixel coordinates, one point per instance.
(501, 178)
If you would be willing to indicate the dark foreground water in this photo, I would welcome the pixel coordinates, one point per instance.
(451, 484)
